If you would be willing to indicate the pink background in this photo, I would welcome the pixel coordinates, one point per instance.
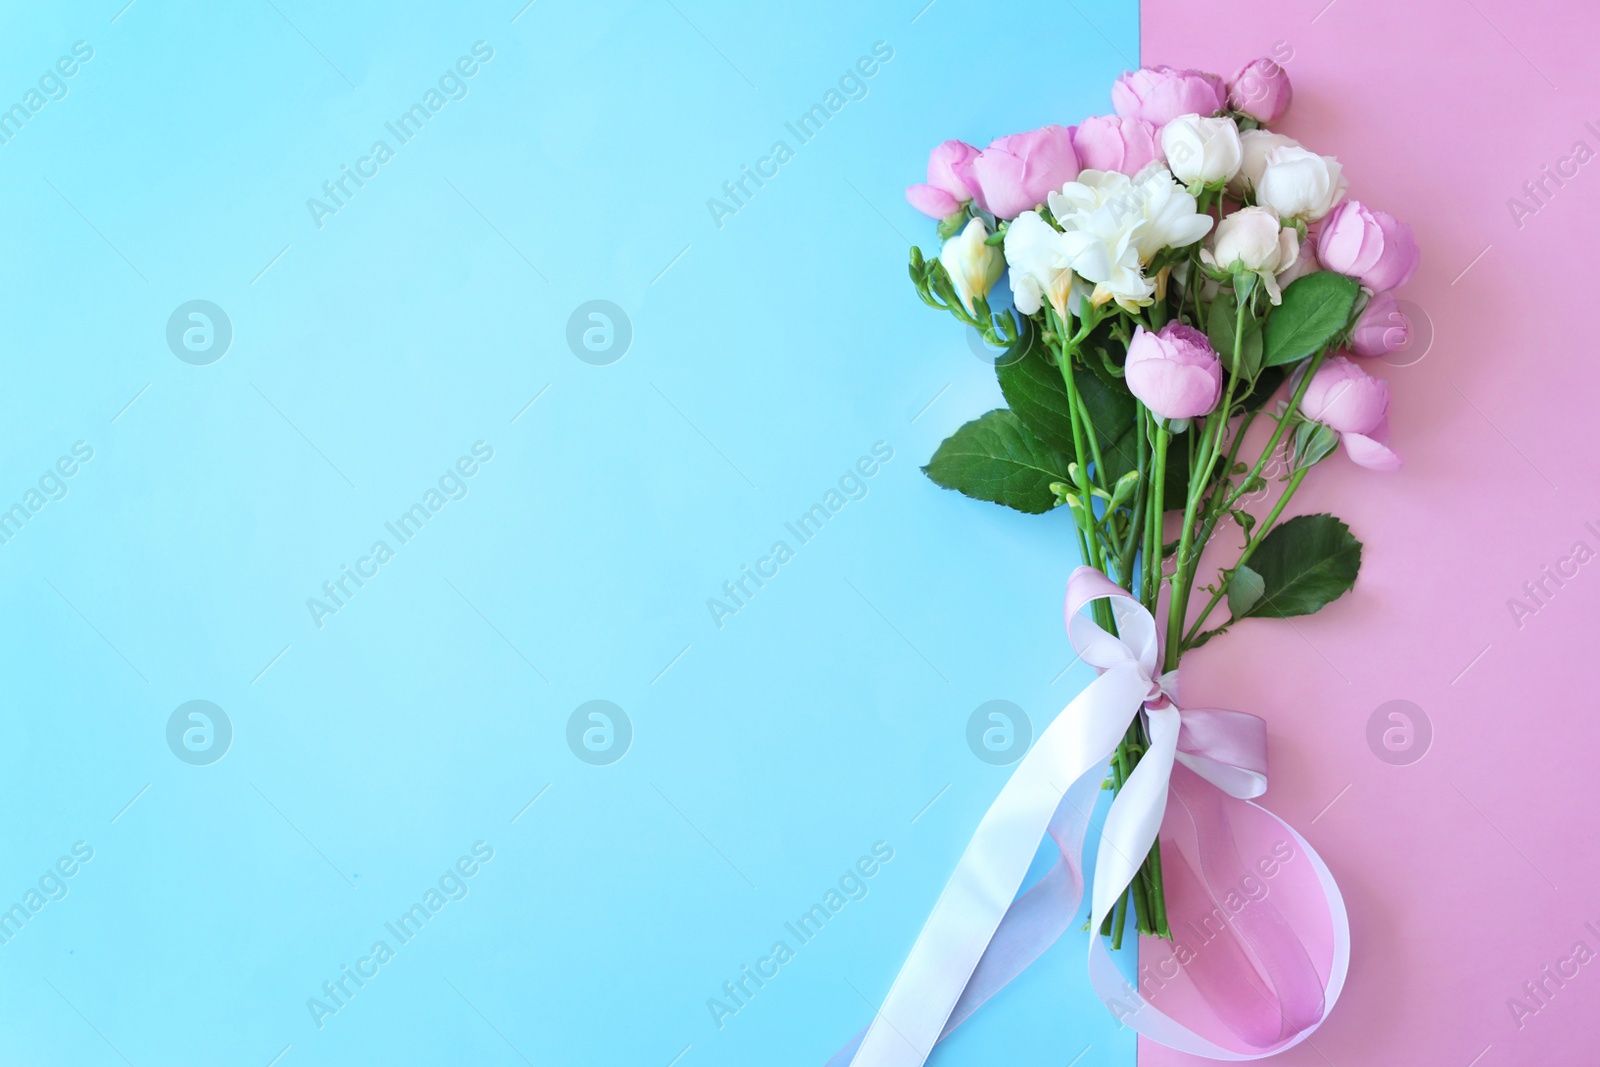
(1469, 871)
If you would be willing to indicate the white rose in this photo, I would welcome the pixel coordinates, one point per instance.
(1256, 144)
(1252, 239)
(1037, 261)
(1299, 184)
(1202, 150)
(973, 266)
(1247, 240)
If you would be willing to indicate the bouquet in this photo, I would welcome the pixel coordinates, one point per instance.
(1176, 275)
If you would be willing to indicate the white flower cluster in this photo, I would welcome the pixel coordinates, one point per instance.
(1097, 235)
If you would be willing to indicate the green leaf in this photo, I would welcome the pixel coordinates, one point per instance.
(1307, 562)
(1175, 493)
(1314, 309)
(1114, 413)
(1219, 330)
(1032, 385)
(1245, 587)
(1312, 442)
(996, 458)
(1266, 384)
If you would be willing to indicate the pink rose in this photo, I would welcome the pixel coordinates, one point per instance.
(945, 190)
(1373, 246)
(1016, 172)
(1382, 327)
(1111, 142)
(1355, 405)
(1174, 372)
(1160, 94)
(1260, 90)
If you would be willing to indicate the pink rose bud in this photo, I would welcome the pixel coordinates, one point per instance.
(1174, 372)
(1354, 404)
(1113, 143)
(1260, 90)
(945, 190)
(1160, 94)
(1373, 246)
(1382, 327)
(1018, 171)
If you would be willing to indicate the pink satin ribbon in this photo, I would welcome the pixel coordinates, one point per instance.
(1260, 937)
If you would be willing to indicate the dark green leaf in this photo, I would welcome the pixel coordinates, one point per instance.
(1032, 385)
(996, 458)
(1114, 413)
(1314, 309)
(1307, 562)
(1031, 380)
(1266, 384)
(1175, 494)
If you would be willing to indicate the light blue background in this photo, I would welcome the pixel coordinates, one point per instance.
(368, 354)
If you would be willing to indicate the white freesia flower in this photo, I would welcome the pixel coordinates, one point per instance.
(1037, 258)
(1253, 240)
(1204, 151)
(1113, 226)
(973, 266)
(1299, 184)
(1169, 213)
(1255, 145)
(1099, 214)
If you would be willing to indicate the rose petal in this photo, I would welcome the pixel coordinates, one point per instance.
(1368, 453)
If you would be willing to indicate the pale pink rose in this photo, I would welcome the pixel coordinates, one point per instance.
(1016, 172)
(1355, 405)
(1174, 372)
(1160, 94)
(1111, 142)
(1370, 245)
(945, 190)
(1261, 90)
(1382, 327)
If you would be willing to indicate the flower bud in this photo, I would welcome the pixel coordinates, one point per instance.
(1261, 90)
(1202, 150)
(945, 192)
(972, 264)
(1382, 327)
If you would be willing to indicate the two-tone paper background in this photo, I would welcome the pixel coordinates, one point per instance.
(416, 358)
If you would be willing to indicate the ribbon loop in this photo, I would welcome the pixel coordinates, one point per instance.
(980, 934)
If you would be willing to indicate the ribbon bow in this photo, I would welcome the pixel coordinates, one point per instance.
(1277, 971)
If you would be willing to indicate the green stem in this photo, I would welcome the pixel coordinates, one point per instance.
(1140, 516)
(1278, 431)
(1158, 488)
(1256, 537)
(1214, 432)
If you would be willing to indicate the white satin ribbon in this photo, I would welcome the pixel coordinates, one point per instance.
(1066, 766)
